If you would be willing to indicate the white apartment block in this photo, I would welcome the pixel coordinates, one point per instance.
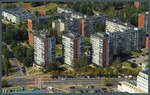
(44, 48)
(139, 86)
(100, 49)
(16, 15)
(72, 47)
(116, 25)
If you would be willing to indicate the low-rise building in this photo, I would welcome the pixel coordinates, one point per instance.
(17, 15)
(139, 86)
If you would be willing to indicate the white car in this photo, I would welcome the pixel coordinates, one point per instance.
(50, 88)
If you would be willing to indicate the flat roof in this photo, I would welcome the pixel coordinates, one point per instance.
(120, 22)
(100, 35)
(72, 35)
(18, 11)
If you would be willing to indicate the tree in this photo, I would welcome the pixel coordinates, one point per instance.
(21, 54)
(133, 65)
(29, 57)
(5, 51)
(117, 64)
(5, 66)
(81, 61)
(107, 82)
(4, 82)
(53, 67)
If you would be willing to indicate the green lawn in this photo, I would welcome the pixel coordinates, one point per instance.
(146, 60)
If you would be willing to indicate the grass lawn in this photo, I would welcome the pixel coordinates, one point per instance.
(126, 64)
(58, 49)
(32, 87)
(44, 7)
(12, 88)
(146, 60)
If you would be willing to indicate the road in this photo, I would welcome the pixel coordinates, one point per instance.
(114, 81)
(24, 81)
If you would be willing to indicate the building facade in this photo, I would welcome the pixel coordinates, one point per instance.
(101, 53)
(124, 37)
(72, 47)
(31, 38)
(44, 48)
(143, 21)
(42, 20)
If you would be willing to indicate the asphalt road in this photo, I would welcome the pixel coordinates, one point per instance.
(114, 81)
(23, 81)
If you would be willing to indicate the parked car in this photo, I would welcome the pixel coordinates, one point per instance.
(50, 88)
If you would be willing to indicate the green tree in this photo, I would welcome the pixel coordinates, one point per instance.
(4, 83)
(5, 51)
(117, 64)
(107, 82)
(53, 66)
(81, 61)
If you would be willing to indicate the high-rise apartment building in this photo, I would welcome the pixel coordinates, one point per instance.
(72, 47)
(101, 53)
(143, 23)
(44, 48)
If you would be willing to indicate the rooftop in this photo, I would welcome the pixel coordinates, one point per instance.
(42, 33)
(121, 23)
(18, 11)
(100, 35)
(145, 71)
(72, 35)
(41, 17)
(133, 82)
(72, 11)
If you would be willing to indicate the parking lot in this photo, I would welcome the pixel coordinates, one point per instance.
(140, 59)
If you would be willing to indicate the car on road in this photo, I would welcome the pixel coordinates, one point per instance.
(92, 91)
(23, 69)
(72, 87)
(92, 86)
(104, 88)
(134, 60)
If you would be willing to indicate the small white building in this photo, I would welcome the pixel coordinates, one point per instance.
(139, 86)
